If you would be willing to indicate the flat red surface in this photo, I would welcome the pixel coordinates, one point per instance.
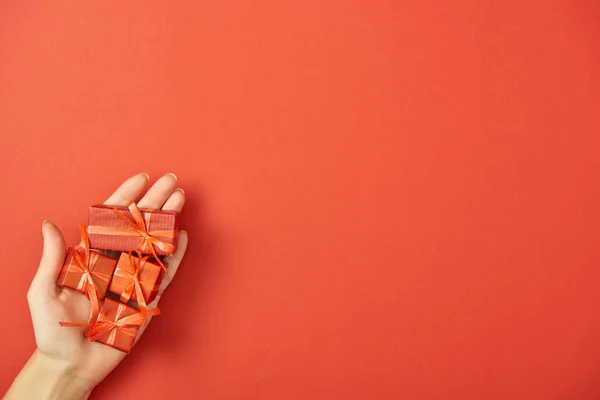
(386, 199)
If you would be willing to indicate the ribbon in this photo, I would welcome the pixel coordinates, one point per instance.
(134, 280)
(83, 261)
(140, 226)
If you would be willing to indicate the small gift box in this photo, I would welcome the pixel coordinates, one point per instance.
(86, 270)
(136, 276)
(117, 325)
(130, 228)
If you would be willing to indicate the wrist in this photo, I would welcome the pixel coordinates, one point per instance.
(47, 378)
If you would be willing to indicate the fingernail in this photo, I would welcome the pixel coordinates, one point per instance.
(181, 190)
(173, 175)
(44, 224)
(146, 175)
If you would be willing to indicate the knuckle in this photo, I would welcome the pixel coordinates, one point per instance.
(32, 293)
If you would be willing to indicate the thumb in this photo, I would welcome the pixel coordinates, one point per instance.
(53, 256)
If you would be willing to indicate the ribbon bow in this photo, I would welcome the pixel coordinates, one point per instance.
(140, 226)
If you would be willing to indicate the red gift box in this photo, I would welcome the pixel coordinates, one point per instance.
(77, 273)
(136, 275)
(117, 325)
(87, 272)
(129, 228)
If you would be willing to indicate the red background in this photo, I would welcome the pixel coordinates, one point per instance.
(386, 199)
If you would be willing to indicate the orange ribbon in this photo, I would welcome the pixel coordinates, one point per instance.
(140, 226)
(134, 280)
(83, 261)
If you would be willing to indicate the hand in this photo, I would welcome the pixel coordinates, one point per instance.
(70, 363)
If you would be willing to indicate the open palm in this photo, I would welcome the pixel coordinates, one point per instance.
(50, 304)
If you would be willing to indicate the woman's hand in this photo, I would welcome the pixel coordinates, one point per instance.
(66, 365)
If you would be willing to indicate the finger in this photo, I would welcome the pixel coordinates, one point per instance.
(53, 256)
(129, 190)
(173, 263)
(159, 192)
(175, 201)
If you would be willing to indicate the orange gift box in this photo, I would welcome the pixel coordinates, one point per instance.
(82, 266)
(134, 275)
(130, 228)
(117, 325)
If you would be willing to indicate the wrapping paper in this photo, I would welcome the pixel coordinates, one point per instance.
(129, 228)
(135, 276)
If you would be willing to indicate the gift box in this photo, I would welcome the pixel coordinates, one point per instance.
(129, 228)
(136, 275)
(86, 270)
(84, 267)
(117, 325)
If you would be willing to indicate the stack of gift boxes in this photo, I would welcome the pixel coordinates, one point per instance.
(119, 288)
